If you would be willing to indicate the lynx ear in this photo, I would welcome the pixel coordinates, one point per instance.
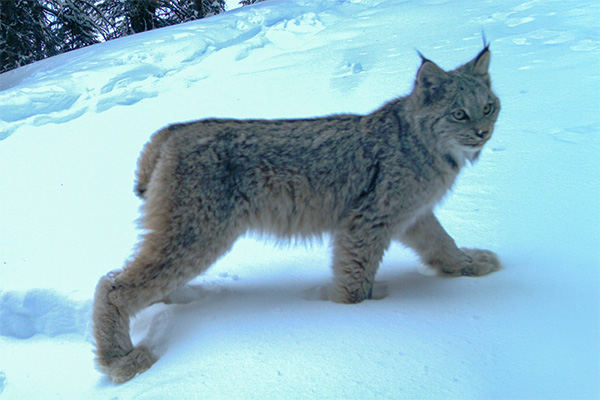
(430, 78)
(481, 63)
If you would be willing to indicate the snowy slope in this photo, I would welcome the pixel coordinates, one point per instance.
(255, 325)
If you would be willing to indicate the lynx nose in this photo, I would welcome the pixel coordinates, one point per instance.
(481, 133)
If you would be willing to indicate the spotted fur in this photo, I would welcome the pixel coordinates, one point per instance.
(364, 179)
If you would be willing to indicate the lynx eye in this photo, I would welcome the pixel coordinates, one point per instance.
(460, 115)
(487, 110)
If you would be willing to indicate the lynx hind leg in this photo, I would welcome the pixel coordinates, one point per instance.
(145, 280)
(115, 354)
(478, 262)
(165, 261)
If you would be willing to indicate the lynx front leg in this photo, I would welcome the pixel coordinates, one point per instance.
(438, 250)
(357, 252)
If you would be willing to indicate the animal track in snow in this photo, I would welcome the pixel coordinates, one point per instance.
(2, 382)
(20, 104)
(346, 76)
(347, 68)
(24, 314)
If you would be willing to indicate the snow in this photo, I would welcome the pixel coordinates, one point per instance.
(256, 325)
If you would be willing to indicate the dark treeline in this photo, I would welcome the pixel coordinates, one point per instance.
(31, 30)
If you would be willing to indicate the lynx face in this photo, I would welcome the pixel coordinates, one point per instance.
(463, 105)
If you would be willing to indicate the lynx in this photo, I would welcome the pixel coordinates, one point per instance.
(366, 180)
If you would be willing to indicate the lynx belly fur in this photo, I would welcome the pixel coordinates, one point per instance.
(364, 179)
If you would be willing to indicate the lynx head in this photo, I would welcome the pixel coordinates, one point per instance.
(458, 106)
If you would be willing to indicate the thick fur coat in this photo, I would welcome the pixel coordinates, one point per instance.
(364, 179)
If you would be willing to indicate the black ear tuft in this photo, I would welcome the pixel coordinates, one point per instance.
(486, 44)
(423, 58)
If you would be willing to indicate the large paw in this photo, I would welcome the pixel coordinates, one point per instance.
(477, 262)
(344, 295)
(125, 368)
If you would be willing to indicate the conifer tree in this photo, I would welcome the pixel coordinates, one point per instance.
(24, 33)
(34, 29)
(74, 24)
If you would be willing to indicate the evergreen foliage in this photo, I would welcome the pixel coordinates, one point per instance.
(24, 33)
(31, 30)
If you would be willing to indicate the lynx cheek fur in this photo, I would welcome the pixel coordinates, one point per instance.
(365, 179)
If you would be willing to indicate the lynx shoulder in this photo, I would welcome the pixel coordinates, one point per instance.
(367, 180)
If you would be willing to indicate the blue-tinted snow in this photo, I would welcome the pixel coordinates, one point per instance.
(256, 325)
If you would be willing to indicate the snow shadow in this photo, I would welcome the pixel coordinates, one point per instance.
(322, 292)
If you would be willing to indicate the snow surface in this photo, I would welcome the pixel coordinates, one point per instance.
(255, 325)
